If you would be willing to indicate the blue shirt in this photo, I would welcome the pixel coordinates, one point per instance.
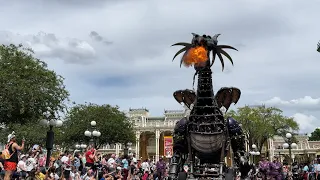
(125, 163)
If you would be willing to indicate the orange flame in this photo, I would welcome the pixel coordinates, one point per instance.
(195, 56)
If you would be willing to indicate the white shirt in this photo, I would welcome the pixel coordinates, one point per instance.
(318, 167)
(72, 175)
(64, 159)
(31, 163)
(111, 162)
(21, 166)
(134, 159)
(145, 166)
(56, 177)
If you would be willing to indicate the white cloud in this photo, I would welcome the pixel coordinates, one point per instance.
(47, 45)
(307, 103)
(307, 123)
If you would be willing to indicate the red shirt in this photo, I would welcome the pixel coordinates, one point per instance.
(88, 159)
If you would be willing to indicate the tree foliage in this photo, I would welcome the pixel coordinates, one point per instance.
(27, 88)
(112, 123)
(261, 123)
(34, 133)
(315, 135)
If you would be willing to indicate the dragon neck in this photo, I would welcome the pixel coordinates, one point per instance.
(205, 89)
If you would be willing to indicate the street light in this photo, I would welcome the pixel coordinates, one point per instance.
(254, 152)
(94, 133)
(81, 146)
(50, 134)
(289, 145)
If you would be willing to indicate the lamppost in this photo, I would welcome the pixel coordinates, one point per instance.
(81, 146)
(289, 145)
(254, 152)
(94, 134)
(126, 148)
(50, 135)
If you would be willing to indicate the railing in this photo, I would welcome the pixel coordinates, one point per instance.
(169, 124)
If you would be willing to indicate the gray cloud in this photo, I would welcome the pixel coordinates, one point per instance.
(96, 37)
(276, 42)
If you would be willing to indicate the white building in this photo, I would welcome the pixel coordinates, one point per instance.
(150, 132)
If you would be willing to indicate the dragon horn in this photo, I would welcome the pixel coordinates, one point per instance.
(215, 37)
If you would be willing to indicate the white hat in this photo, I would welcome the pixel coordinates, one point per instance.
(67, 168)
(10, 136)
(22, 156)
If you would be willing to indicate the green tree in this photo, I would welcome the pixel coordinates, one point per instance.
(112, 123)
(261, 123)
(34, 133)
(28, 89)
(315, 135)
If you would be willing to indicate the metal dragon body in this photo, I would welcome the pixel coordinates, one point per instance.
(202, 139)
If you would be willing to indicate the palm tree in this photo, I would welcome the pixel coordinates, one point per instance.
(208, 44)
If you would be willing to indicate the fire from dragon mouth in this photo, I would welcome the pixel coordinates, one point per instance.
(195, 56)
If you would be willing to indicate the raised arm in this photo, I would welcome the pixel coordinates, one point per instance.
(17, 147)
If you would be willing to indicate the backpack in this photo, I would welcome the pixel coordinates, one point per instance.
(6, 153)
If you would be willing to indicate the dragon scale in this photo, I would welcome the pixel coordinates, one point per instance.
(205, 109)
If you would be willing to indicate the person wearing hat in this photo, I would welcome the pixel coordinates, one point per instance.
(10, 165)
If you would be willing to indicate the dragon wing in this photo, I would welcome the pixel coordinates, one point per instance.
(226, 96)
(186, 96)
(178, 96)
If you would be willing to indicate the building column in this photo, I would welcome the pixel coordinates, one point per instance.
(157, 144)
(117, 149)
(137, 150)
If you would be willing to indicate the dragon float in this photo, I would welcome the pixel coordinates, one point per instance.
(203, 138)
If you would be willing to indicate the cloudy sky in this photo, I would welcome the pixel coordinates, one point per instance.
(118, 52)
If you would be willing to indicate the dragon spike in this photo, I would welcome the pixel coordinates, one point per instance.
(215, 37)
(179, 52)
(194, 34)
(181, 44)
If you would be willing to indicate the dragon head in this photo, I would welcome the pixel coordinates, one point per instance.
(197, 52)
(206, 41)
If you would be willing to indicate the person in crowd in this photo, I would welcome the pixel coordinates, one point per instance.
(51, 174)
(104, 161)
(10, 165)
(90, 157)
(275, 169)
(264, 167)
(285, 170)
(22, 167)
(77, 161)
(312, 169)
(145, 166)
(125, 165)
(317, 169)
(305, 171)
(145, 175)
(31, 162)
(42, 161)
(112, 162)
(161, 167)
(39, 175)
